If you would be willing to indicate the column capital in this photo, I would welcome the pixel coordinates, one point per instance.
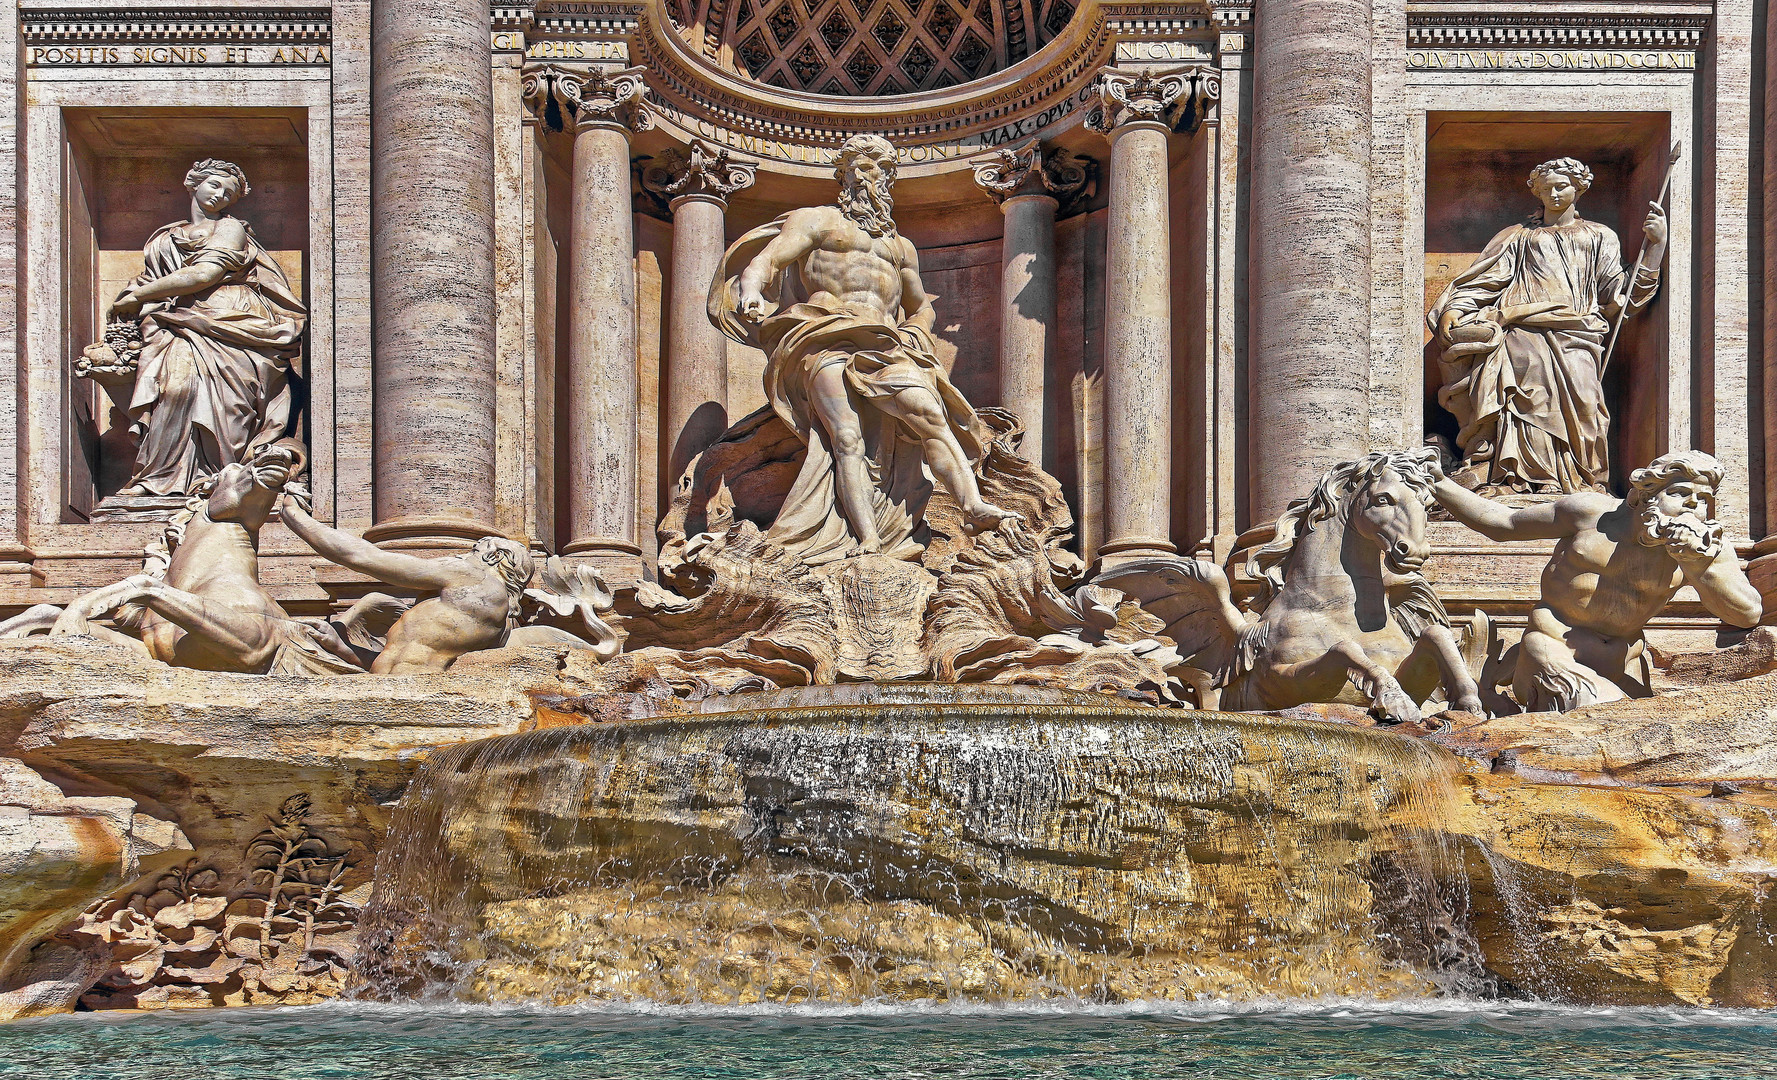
(1183, 99)
(704, 170)
(1029, 169)
(572, 99)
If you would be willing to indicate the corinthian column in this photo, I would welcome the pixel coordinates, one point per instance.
(1310, 252)
(602, 108)
(1139, 112)
(432, 269)
(1030, 187)
(697, 185)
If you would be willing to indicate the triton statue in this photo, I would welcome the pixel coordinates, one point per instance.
(202, 605)
(1617, 562)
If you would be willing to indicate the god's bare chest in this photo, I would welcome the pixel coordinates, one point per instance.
(1592, 552)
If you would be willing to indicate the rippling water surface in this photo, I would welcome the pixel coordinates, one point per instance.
(1276, 1042)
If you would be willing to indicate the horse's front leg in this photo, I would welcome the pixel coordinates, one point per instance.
(77, 618)
(1459, 685)
(245, 638)
(1388, 701)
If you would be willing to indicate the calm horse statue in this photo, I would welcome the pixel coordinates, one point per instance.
(1343, 614)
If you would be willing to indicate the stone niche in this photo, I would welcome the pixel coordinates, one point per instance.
(125, 175)
(1476, 167)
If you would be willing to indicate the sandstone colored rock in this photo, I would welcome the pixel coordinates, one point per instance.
(1691, 737)
(1592, 894)
(58, 853)
(813, 846)
(190, 765)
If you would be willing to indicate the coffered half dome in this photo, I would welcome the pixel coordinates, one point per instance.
(868, 48)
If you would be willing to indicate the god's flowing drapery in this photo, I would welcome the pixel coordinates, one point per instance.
(880, 360)
(834, 291)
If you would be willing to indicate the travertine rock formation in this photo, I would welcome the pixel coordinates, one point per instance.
(1586, 893)
(168, 771)
(1095, 847)
(918, 841)
(58, 852)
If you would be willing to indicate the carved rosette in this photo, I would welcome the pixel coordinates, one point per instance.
(1182, 100)
(705, 170)
(1058, 173)
(570, 100)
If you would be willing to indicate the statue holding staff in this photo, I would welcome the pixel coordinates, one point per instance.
(1523, 334)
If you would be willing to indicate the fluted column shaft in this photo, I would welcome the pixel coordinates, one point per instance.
(1138, 346)
(1027, 311)
(696, 182)
(432, 269)
(697, 357)
(601, 381)
(1139, 111)
(1310, 251)
(1031, 185)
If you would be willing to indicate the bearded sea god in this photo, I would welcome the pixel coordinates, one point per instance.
(1523, 335)
(1616, 564)
(832, 295)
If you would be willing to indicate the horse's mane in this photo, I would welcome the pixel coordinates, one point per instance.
(1331, 497)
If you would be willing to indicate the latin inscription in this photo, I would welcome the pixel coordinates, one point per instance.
(571, 50)
(1162, 50)
(1550, 60)
(815, 155)
(174, 55)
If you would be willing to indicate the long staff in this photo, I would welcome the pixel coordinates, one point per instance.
(1641, 257)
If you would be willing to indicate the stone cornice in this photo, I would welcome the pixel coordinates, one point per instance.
(1013, 103)
(1587, 30)
(563, 18)
(195, 25)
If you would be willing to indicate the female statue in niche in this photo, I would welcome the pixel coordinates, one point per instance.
(1523, 335)
(220, 334)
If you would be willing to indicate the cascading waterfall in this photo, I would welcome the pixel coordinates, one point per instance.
(906, 841)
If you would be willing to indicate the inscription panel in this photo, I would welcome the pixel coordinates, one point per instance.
(1587, 60)
(207, 55)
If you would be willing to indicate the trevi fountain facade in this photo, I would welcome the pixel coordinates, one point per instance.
(858, 501)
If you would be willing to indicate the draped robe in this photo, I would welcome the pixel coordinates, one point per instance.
(1532, 410)
(881, 360)
(213, 378)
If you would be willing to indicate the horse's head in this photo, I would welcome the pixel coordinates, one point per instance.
(1388, 505)
(1382, 496)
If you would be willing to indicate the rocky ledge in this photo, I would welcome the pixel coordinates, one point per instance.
(176, 838)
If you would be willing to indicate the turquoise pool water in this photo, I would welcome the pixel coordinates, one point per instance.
(1281, 1041)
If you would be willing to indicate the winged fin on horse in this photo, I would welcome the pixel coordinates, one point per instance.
(1344, 612)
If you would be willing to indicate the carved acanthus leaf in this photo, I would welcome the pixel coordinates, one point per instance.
(1029, 170)
(1183, 100)
(568, 98)
(704, 169)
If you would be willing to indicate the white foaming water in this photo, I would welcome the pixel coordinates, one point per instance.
(1079, 849)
